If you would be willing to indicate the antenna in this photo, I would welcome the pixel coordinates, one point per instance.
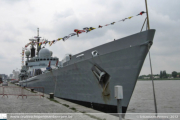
(147, 15)
(37, 32)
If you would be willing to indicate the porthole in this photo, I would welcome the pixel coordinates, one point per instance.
(94, 53)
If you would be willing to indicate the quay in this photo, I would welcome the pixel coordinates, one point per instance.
(15, 106)
(141, 104)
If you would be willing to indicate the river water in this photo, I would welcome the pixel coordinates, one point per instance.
(167, 97)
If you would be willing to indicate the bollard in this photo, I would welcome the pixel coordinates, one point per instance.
(51, 95)
(118, 90)
(32, 90)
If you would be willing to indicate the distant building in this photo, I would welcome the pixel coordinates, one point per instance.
(10, 76)
(170, 77)
(4, 76)
(146, 77)
(156, 77)
(15, 75)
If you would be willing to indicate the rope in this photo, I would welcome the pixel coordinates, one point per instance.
(143, 24)
(155, 105)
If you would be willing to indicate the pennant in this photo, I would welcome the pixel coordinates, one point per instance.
(65, 38)
(107, 24)
(59, 39)
(100, 26)
(78, 32)
(142, 12)
(123, 19)
(45, 42)
(112, 23)
(72, 34)
(86, 28)
(130, 17)
(40, 43)
(54, 41)
(91, 28)
(51, 43)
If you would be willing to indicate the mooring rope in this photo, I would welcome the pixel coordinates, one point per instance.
(154, 95)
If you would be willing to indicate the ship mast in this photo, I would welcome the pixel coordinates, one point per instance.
(147, 15)
(38, 39)
(38, 32)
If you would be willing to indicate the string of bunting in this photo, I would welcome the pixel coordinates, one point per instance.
(22, 56)
(77, 32)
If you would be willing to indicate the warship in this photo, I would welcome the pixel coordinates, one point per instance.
(89, 77)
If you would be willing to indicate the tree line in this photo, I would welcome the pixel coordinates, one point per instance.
(174, 74)
(163, 74)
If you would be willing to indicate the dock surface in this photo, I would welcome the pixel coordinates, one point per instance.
(141, 104)
(54, 108)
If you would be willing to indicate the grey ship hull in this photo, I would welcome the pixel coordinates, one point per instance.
(121, 60)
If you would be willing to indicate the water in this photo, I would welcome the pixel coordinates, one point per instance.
(167, 97)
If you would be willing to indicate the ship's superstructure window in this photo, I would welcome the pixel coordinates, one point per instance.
(80, 56)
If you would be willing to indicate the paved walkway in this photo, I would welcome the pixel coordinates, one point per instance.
(57, 107)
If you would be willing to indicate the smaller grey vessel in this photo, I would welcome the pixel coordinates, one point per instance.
(88, 78)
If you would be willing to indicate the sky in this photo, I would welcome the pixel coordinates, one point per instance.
(57, 18)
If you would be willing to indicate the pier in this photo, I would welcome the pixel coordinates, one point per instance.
(141, 104)
(38, 107)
